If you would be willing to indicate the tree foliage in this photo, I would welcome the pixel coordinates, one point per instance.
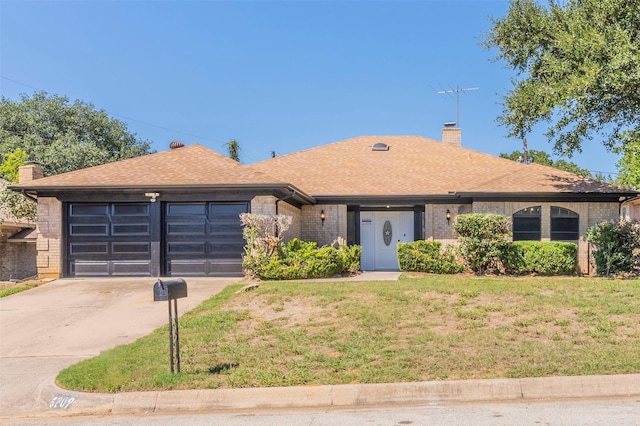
(578, 65)
(629, 164)
(64, 136)
(541, 157)
(59, 135)
(234, 150)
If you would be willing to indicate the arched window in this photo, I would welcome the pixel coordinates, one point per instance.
(526, 224)
(564, 224)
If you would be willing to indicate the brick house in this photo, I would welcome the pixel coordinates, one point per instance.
(176, 212)
(17, 247)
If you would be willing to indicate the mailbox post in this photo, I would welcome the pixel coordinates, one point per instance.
(172, 290)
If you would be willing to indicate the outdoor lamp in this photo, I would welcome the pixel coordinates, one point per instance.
(323, 216)
(448, 215)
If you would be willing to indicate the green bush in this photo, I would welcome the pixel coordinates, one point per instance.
(617, 246)
(299, 259)
(326, 263)
(427, 256)
(543, 258)
(483, 240)
(350, 257)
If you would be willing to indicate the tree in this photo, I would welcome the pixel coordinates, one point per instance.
(541, 157)
(59, 135)
(629, 165)
(64, 136)
(578, 66)
(234, 150)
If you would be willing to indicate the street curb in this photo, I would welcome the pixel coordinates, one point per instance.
(353, 395)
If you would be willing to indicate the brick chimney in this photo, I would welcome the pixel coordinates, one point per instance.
(29, 172)
(452, 134)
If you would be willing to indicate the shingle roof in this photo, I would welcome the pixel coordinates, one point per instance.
(415, 165)
(193, 165)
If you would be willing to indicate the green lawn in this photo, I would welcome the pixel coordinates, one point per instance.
(9, 288)
(422, 327)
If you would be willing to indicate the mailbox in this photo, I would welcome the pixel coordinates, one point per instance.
(169, 289)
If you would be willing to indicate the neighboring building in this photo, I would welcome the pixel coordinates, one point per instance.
(176, 212)
(17, 248)
(631, 209)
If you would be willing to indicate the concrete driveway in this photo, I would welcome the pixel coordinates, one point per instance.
(50, 327)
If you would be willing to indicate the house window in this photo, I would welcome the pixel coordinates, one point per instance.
(527, 224)
(564, 224)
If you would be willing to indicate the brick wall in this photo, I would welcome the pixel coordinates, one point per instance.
(49, 243)
(17, 260)
(590, 214)
(324, 233)
(263, 204)
(436, 225)
(267, 205)
(295, 230)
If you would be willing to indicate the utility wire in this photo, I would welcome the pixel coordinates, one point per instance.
(127, 118)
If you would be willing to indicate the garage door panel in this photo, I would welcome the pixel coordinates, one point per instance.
(109, 239)
(204, 238)
(89, 209)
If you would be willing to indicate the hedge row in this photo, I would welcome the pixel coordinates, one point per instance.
(428, 256)
(522, 257)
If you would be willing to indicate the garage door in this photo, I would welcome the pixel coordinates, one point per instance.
(106, 239)
(203, 239)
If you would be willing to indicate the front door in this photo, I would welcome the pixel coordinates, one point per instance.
(380, 233)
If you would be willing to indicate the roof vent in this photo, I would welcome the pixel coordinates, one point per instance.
(176, 145)
(379, 146)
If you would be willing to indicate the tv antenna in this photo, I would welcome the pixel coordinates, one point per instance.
(457, 91)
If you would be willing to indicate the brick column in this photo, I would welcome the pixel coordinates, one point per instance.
(49, 243)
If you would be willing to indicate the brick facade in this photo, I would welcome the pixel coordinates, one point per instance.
(18, 260)
(49, 244)
(267, 205)
(589, 214)
(324, 232)
(437, 228)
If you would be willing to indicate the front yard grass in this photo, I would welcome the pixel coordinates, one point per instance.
(7, 288)
(422, 327)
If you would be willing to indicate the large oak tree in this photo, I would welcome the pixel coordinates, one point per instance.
(59, 135)
(578, 68)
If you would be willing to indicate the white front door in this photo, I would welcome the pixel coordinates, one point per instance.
(380, 233)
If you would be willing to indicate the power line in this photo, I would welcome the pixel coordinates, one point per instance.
(127, 118)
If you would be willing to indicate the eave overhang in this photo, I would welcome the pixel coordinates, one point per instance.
(279, 190)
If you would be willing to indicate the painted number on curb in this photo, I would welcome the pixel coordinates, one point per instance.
(62, 402)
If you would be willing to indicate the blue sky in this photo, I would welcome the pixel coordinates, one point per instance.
(274, 75)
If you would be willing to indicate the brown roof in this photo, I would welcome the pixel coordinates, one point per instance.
(415, 165)
(194, 165)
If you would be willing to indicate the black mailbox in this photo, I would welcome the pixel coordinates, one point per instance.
(169, 289)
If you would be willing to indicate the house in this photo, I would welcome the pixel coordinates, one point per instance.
(17, 247)
(175, 213)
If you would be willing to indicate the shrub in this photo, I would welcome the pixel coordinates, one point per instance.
(427, 256)
(544, 258)
(483, 240)
(298, 259)
(617, 246)
(325, 263)
(350, 257)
